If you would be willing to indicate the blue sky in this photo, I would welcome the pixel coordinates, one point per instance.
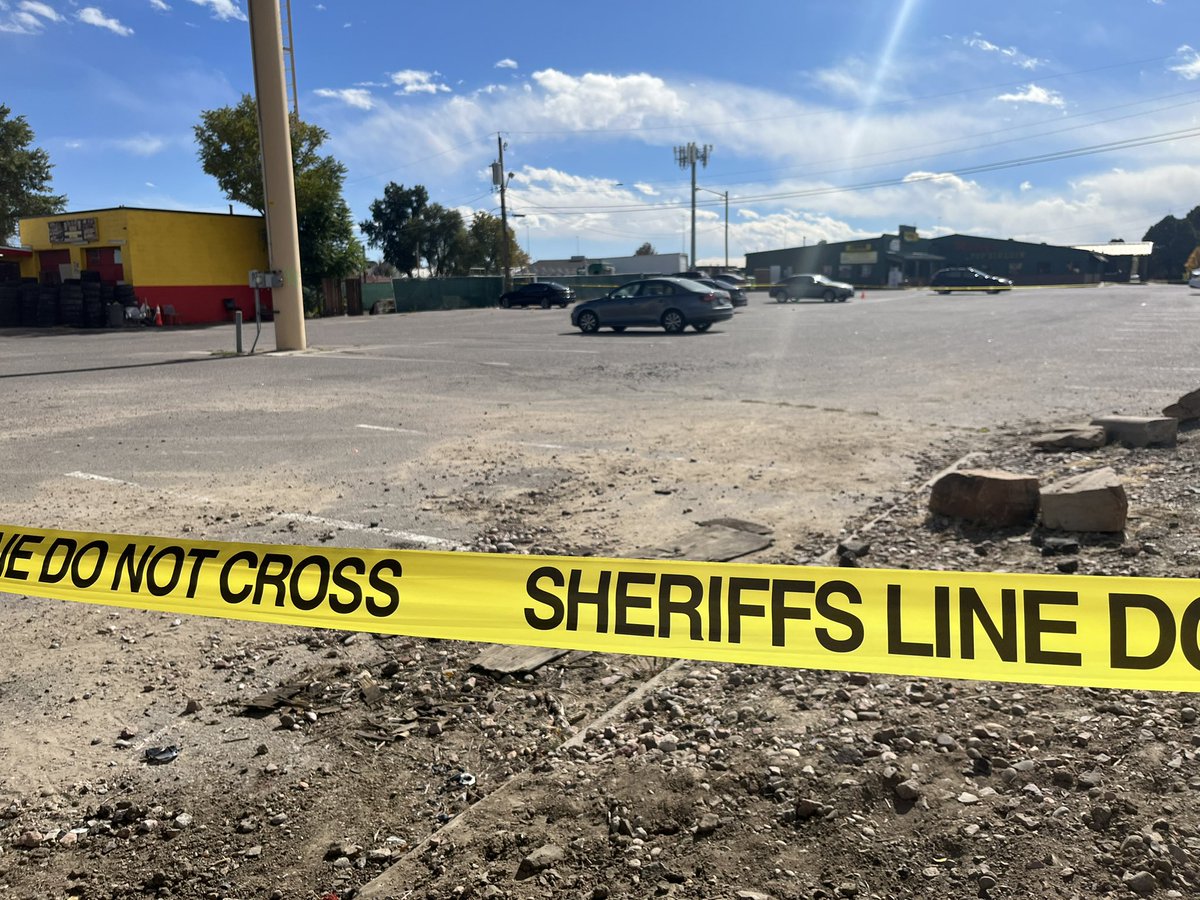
(828, 120)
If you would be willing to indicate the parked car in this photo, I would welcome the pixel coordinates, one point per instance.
(543, 293)
(736, 295)
(738, 281)
(670, 303)
(805, 287)
(965, 278)
(1194, 281)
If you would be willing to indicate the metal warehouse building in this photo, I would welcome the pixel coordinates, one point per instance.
(891, 260)
(190, 261)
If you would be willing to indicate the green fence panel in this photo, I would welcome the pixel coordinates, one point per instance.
(373, 292)
(421, 294)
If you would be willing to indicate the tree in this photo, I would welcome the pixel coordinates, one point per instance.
(444, 241)
(24, 176)
(647, 249)
(228, 144)
(1174, 240)
(397, 223)
(484, 246)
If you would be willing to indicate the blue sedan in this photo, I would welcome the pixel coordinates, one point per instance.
(668, 303)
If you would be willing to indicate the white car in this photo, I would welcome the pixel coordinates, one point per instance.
(1194, 281)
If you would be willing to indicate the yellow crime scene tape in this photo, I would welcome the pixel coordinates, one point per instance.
(1134, 633)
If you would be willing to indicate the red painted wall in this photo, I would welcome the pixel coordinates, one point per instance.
(201, 304)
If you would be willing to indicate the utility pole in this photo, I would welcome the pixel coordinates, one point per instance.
(503, 217)
(687, 157)
(279, 185)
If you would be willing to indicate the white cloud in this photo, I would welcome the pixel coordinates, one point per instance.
(753, 131)
(141, 145)
(506, 64)
(160, 5)
(1033, 93)
(1010, 54)
(223, 9)
(29, 18)
(90, 15)
(1026, 186)
(356, 97)
(1187, 64)
(413, 81)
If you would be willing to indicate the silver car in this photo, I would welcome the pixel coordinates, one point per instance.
(670, 303)
(802, 287)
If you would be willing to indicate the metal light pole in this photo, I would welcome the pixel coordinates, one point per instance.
(724, 194)
(686, 157)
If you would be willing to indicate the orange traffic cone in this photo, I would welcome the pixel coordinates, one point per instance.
(158, 315)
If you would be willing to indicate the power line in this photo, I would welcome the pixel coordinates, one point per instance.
(1092, 150)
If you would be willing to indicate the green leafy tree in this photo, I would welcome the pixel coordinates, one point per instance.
(647, 249)
(24, 176)
(444, 242)
(485, 245)
(1174, 240)
(397, 225)
(229, 151)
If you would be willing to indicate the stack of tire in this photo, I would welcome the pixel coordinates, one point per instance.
(30, 291)
(47, 306)
(10, 304)
(94, 315)
(70, 303)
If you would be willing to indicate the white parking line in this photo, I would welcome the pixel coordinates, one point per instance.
(389, 428)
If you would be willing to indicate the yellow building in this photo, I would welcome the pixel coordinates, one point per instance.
(193, 262)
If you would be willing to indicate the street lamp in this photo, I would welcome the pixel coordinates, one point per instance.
(724, 194)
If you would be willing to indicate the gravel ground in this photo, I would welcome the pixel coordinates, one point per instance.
(337, 765)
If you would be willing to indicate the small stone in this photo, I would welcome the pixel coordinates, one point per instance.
(1139, 882)
(708, 824)
(908, 790)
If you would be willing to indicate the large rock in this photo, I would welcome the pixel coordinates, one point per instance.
(1072, 437)
(539, 860)
(1093, 501)
(1186, 408)
(1140, 431)
(986, 496)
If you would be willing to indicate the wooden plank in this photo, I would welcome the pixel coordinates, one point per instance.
(711, 543)
(502, 659)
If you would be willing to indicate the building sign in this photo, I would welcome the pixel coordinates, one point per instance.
(908, 234)
(860, 247)
(73, 231)
(859, 258)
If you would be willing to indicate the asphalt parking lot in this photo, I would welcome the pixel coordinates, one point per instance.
(434, 404)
